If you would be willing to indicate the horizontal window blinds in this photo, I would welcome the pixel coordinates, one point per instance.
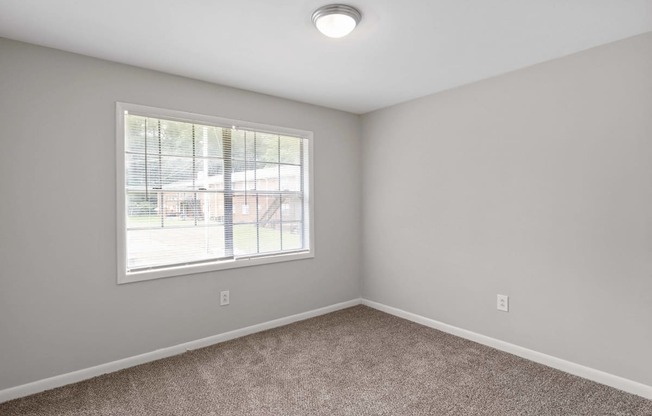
(197, 193)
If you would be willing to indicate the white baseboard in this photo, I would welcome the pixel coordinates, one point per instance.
(592, 374)
(80, 375)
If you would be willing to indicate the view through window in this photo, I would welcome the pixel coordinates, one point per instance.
(198, 193)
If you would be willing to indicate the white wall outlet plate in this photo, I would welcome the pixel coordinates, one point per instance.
(502, 303)
(224, 298)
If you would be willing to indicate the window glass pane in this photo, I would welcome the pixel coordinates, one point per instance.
(270, 238)
(267, 177)
(135, 132)
(209, 174)
(176, 138)
(244, 208)
(242, 146)
(269, 211)
(292, 235)
(290, 178)
(172, 172)
(135, 174)
(267, 147)
(290, 150)
(245, 239)
(209, 141)
(244, 179)
(142, 209)
(292, 208)
(168, 246)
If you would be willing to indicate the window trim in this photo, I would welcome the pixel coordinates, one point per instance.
(246, 261)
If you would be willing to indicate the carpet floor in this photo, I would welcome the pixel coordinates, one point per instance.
(356, 361)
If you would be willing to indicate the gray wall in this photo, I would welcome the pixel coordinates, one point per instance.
(60, 307)
(536, 184)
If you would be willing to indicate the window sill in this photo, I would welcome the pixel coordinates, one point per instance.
(140, 276)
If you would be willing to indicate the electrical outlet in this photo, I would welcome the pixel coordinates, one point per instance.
(502, 303)
(224, 298)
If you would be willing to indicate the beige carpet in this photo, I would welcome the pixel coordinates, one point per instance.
(357, 361)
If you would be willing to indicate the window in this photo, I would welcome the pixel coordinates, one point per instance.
(199, 193)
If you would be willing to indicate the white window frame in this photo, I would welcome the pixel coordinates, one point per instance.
(128, 277)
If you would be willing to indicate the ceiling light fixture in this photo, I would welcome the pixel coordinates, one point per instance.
(336, 20)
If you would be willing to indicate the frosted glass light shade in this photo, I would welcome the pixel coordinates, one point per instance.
(336, 20)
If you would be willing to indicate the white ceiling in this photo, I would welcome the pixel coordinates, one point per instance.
(401, 50)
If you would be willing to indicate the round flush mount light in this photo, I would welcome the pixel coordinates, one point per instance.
(336, 20)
